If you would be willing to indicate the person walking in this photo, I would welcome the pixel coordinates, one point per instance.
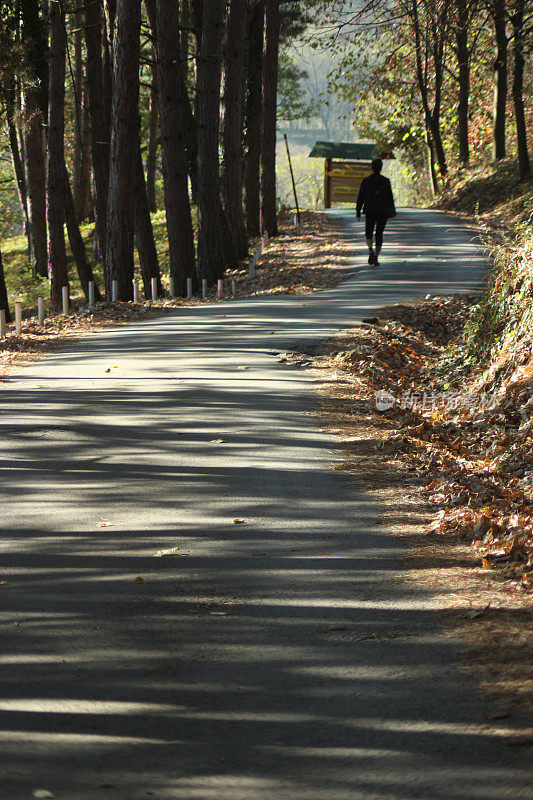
(376, 201)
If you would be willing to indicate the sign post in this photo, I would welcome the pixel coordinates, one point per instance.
(345, 166)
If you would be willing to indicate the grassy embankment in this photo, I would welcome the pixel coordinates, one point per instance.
(21, 285)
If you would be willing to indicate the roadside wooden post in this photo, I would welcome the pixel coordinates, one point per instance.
(327, 183)
(233, 287)
(91, 293)
(114, 291)
(40, 310)
(64, 292)
(251, 266)
(220, 289)
(153, 284)
(2, 323)
(171, 291)
(297, 221)
(135, 291)
(189, 288)
(18, 317)
(204, 288)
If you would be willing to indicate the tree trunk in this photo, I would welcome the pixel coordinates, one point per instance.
(254, 107)
(164, 19)
(123, 150)
(191, 135)
(98, 119)
(232, 137)
(34, 110)
(463, 60)
(432, 171)
(431, 116)
(517, 20)
(77, 245)
(499, 148)
(85, 209)
(35, 170)
(4, 303)
(34, 38)
(270, 94)
(16, 158)
(57, 260)
(210, 257)
(153, 133)
(77, 143)
(144, 234)
(184, 38)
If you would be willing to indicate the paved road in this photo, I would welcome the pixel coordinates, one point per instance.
(216, 679)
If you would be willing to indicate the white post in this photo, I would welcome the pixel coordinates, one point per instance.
(91, 293)
(189, 288)
(265, 240)
(114, 291)
(154, 288)
(18, 316)
(233, 287)
(2, 323)
(259, 251)
(295, 220)
(171, 291)
(251, 266)
(204, 288)
(135, 291)
(40, 310)
(64, 292)
(220, 289)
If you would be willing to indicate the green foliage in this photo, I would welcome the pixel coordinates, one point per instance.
(505, 313)
(293, 102)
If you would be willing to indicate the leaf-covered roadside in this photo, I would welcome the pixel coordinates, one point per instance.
(463, 431)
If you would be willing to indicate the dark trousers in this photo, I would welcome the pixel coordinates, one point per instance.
(377, 221)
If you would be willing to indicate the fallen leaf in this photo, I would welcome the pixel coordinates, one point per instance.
(335, 627)
(104, 524)
(238, 522)
(139, 579)
(108, 370)
(217, 441)
(171, 552)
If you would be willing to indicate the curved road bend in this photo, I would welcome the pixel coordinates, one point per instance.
(215, 678)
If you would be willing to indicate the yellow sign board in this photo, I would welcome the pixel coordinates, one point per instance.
(343, 180)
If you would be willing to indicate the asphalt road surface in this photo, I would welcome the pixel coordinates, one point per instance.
(216, 676)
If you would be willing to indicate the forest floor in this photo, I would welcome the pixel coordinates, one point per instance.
(464, 470)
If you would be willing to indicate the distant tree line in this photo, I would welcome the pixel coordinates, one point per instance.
(98, 94)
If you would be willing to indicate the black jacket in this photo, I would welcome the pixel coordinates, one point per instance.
(375, 196)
